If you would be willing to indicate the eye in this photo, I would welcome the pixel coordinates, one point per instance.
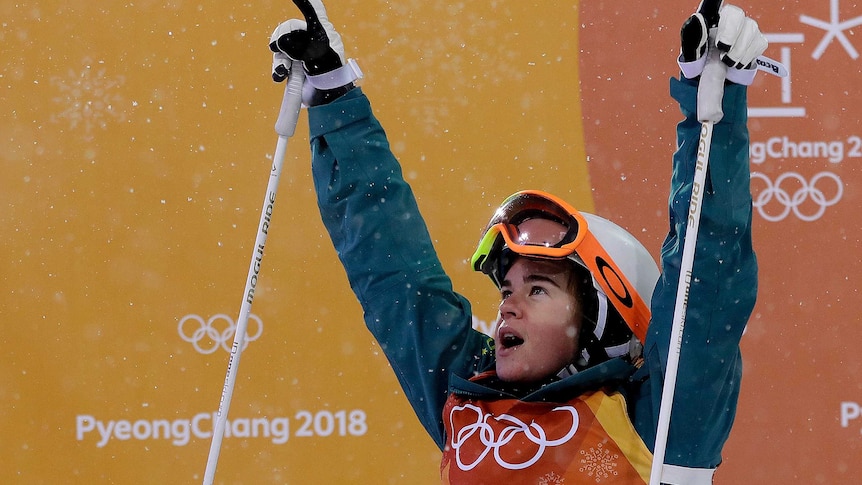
(538, 290)
(505, 293)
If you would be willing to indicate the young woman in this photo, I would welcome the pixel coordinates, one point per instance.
(569, 387)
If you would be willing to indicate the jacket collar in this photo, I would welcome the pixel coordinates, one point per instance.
(610, 374)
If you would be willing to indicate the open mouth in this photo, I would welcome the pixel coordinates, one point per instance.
(510, 340)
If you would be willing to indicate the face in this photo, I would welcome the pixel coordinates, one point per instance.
(539, 321)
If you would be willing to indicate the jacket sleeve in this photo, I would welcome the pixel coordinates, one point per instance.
(370, 212)
(722, 291)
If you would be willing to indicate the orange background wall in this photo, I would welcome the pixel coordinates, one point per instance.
(798, 419)
(137, 142)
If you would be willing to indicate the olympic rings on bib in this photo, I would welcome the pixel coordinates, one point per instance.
(793, 200)
(481, 431)
(206, 336)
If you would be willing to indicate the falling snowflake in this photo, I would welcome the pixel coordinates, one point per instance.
(87, 98)
(551, 479)
(464, 44)
(599, 463)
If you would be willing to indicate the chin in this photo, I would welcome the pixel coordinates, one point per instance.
(509, 374)
(505, 374)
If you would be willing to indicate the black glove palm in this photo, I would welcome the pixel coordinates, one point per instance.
(312, 45)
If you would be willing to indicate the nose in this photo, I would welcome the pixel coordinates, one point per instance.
(511, 306)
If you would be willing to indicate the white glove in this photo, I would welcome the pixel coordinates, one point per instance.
(315, 42)
(737, 36)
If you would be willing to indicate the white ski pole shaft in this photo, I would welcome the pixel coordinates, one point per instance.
(285, 126)
(709, 111)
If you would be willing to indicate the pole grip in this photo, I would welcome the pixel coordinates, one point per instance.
(710, 91)
(291, 103)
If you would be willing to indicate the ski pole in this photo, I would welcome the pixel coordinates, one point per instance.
(709, 112)
(285, 126)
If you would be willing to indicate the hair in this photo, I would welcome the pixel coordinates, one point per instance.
(580, 284)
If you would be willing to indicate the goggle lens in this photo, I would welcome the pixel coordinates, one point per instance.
(531, 224)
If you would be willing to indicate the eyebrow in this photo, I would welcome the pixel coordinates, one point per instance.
(533, 278)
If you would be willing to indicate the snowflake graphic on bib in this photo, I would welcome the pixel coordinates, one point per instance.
(599, 463)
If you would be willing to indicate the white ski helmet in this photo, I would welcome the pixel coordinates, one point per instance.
(622, 271)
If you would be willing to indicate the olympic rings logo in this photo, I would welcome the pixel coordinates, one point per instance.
(485, 433)
(206, 336)
(794, 200)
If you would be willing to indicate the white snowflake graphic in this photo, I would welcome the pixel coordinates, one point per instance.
(551, 479)
(88, 98)
(599, 463)
(834, 29)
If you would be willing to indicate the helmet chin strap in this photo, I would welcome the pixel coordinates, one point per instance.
(567, 371)
(602, 314)
(593, 346)
(582, 358)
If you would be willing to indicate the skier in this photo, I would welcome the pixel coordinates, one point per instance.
(569, 387)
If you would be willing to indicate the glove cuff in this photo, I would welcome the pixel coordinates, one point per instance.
(336, 78)
(741, 76)
(693, 69)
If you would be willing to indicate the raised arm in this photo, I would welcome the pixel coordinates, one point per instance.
(724, 276)
(370, 212)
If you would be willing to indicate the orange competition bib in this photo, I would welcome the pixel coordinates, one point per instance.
(589, 439)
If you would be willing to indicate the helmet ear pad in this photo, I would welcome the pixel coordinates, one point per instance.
(589, 301)
(602, 326)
